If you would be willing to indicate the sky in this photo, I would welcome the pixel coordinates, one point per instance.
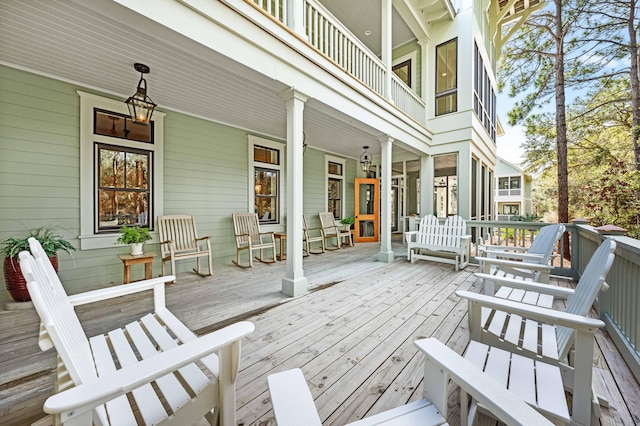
(509, 144)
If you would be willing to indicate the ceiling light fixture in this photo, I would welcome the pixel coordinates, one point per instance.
(140, 105)
(365, 160)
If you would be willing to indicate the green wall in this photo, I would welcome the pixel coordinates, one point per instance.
(406, 49)
(205, 174)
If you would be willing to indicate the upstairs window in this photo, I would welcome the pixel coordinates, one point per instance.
(447, 77)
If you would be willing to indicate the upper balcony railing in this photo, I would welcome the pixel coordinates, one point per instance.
(331, 38)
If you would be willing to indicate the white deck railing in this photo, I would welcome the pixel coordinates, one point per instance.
(619, 307)
(335, 41)
(406, 99)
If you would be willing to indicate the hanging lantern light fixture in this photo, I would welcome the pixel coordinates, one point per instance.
(365, 160)
(140, 105)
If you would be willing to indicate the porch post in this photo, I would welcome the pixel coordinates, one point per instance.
(386, 48)
(424, 55)
(386, 253)
(426, 185)
(294, 283)
(295, 16)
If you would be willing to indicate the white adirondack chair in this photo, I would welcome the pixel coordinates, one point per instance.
(249, 237)
(293, 403)
(179, 240)
(331, 229)
(99, 377)
(311, 235)
(508, 261)
(536, 338)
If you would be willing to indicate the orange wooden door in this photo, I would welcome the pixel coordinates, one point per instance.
(367, 208)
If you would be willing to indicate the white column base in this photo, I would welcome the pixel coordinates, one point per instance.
(385, 256)
(294, 287)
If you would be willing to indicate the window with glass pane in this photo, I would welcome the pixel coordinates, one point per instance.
(266, 155)
(446, 77)
(503, 183)
(123, 193)
(403, 71)
(266, 195)
(335, 168)
(335, 197)
(515, 183)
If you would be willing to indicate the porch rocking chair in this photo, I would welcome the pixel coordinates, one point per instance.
(249, 237)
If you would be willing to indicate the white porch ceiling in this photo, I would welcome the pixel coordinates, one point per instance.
(94, 44)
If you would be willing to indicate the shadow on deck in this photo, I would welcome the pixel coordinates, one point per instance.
(352, 334)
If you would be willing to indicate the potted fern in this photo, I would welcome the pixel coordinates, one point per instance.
(135, 236)
(51, 242)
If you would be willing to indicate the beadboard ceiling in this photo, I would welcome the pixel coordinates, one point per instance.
(96, 46)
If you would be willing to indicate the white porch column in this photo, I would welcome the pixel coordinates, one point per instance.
(294, 283)
(426, 185)
(424, 78)
(386, 253)
(386, 47)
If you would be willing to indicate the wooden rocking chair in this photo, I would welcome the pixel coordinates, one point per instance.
(249, 237)
(308, 238)
(179, 240)
(331, 229)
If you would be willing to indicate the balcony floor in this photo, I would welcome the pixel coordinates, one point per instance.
(352, 335)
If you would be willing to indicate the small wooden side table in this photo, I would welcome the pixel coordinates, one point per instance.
(128, 260)
(283, 238)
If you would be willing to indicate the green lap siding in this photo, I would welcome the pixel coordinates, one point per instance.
(205, 174)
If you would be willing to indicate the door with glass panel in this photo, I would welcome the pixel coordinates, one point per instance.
(367, 208)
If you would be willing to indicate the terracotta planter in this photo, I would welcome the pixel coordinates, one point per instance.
(15, 282)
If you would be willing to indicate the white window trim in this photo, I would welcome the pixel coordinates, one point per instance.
(413, 56)
(256, 140)
(88, 238)
(339, 160)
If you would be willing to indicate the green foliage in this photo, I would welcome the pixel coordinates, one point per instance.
(350, 220)
(48, 237)
(526, 218)
(133, 235)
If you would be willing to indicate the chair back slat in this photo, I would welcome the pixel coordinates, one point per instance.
(57, 314)
(586, 291)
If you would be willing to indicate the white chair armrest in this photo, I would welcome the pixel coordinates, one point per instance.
(85, 397)
(515, 264)
(155, 284)
(291, 399)
(544, 315)
(409, 236)
(513, 255)
(554, 290)
(505, 248)
(496, 398)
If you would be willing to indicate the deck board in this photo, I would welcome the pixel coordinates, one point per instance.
(352, 335)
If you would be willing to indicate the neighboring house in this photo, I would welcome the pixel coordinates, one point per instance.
(513, 191)
(263, 106)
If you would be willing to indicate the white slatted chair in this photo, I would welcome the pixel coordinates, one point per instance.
(311, 235)
(331, 229)
(179, 240)
(536, 338)
(513, 262)
(293, 403)
(249, 238)
(101, 380)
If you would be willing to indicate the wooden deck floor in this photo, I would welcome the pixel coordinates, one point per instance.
(352, 335)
